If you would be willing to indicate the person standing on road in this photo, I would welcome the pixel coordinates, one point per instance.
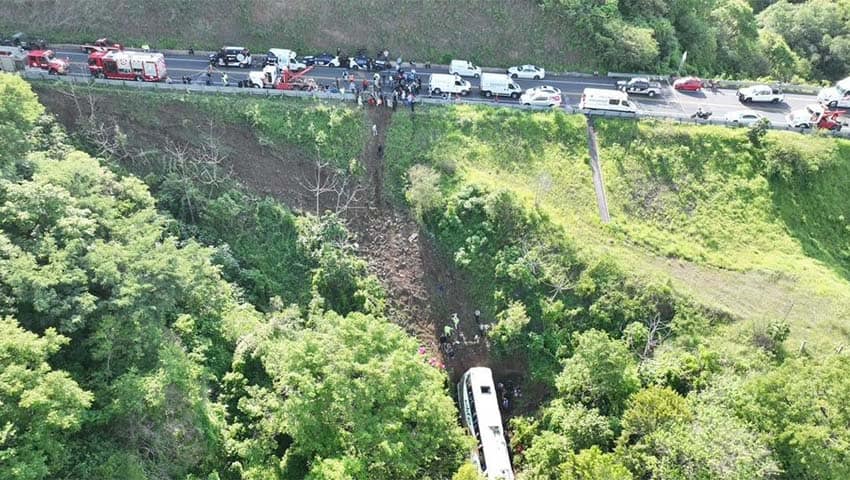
(224, 79)
(455, 320)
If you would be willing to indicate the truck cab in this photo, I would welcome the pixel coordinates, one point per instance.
(47, 60)
(837, 96)
(285, 59)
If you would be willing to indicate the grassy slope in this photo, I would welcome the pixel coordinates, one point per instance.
(689, 204)
(494, 32)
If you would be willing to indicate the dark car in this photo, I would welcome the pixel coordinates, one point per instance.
(21, 40)
(232, 57)
(323, 59)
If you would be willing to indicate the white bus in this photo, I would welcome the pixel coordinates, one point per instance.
(479, 410)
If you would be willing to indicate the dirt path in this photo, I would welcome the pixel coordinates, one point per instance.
(424, 288)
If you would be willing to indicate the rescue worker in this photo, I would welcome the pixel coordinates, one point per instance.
(224, 79)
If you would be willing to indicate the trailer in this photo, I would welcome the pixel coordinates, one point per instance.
(126, 65)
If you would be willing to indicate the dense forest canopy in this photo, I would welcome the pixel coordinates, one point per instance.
(784, 40)
(124, 354)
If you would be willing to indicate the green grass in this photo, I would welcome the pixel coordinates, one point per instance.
(492, 32)
(692, 205)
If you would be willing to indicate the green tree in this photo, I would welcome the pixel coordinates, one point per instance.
(356, 384)
(713, 445)
(39, 406)
(508, 331)
(801, 409)
(19, 112)
(593, 464)
(601, 373)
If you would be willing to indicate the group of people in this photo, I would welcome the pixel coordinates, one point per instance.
(452, 336)
(508, 393)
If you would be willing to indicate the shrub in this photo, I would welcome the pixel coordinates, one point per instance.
(423, 194)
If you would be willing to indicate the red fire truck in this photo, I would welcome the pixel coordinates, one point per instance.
(47, 60)
(124, 65)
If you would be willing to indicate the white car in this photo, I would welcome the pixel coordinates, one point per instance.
(541, 99)
(544, 89)
(760, 93)
(805, 117)
(527, 71)
(744, 117)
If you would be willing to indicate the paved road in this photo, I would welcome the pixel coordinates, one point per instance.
(670, 102)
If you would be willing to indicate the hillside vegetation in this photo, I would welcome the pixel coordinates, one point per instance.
(727, 251)
(125, 354)
(802, 40)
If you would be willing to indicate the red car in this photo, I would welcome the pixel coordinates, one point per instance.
(690, 84)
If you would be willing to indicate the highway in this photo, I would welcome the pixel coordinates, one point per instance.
(671, 102)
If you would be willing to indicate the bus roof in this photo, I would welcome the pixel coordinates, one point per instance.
(493, 442)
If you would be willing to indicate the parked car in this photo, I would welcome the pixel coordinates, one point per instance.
(21, 40)
(464, 68)
(323, 59)
(688, 84)
(744, 117)
(640, 86)
(760, 93)
(232, 57)
(544, 89)
(361, 61)
(540, 98)
(527, 71)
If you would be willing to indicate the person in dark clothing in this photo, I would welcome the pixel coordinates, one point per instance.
(191, 51)
(380, 151)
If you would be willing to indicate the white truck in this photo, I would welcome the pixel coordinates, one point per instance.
(837, 96)
(500, 85)
(441, 83)
(760, 93)
(285, 59)
(600, 99)
(464, 68)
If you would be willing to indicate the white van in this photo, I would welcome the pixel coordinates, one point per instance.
(441, 83)
(499, 84)
(464, 68)
(837, 96)
(599, 99)
(284, 59)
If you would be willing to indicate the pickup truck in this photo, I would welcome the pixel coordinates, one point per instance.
(640, 86)
(760, 93)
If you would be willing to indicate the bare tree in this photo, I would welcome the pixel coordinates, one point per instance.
(340, 185)
(658, 332)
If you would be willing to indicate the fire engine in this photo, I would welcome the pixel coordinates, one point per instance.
(124, 65)
(47, 60)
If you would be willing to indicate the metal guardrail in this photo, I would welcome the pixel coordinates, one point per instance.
(264, 92)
